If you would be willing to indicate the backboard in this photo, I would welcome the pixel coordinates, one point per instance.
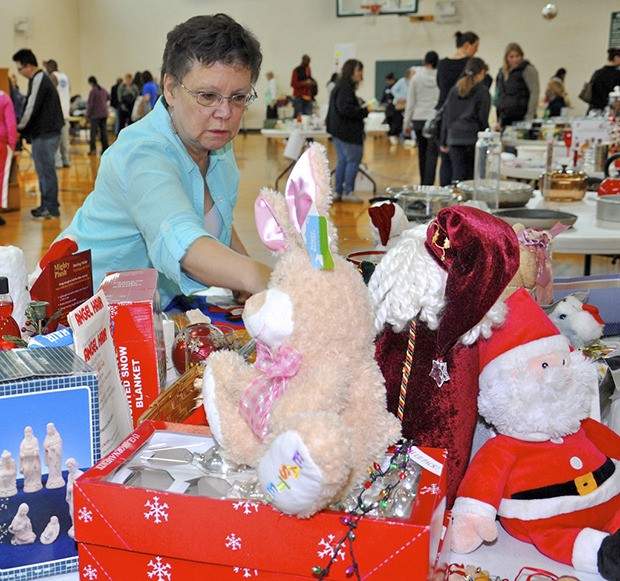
(354, 7)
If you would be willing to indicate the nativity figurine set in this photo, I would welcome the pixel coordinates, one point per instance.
(29, 465)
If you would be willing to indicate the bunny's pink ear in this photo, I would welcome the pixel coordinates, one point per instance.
(301, 192)
(267, 225)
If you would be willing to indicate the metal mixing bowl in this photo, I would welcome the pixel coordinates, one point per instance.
(511, 194)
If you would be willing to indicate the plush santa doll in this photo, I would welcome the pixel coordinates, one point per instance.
(551, 474)
(434, 293)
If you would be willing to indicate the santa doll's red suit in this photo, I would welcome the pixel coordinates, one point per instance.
(551, 474)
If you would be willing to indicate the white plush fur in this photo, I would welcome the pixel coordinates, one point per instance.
(529, 407)
(574, 322)
(13, 266)
(408, 283)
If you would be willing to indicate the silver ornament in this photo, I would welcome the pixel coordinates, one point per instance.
(550, 11)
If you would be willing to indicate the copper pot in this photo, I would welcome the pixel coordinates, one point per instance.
(564, 185)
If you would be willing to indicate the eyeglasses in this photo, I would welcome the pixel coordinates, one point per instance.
(239, 101)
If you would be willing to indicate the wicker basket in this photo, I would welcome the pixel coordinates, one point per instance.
(177, 402)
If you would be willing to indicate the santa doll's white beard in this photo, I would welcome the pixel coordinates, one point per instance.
(535, 406)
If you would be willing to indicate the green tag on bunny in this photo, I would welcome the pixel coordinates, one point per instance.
(317, 242)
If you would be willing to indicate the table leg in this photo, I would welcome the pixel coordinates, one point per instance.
(370, 179)
(587, 264)
(284, 172)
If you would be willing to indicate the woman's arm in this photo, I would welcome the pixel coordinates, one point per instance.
(214, 264)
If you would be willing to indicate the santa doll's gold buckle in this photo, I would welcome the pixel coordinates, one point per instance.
(585, 484)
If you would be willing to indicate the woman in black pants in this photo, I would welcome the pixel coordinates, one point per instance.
(449, 70)
(466, 112)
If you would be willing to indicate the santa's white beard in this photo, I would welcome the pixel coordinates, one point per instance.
(536, 407)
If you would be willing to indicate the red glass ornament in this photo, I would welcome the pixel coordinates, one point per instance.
(194, 344)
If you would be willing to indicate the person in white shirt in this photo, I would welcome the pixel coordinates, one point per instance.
(63, 86)
(271, 96)
(394, 114)
(422, 97)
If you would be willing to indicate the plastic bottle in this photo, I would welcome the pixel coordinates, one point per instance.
(487, 168)
(8, 325)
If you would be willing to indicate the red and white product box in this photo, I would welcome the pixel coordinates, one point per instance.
(130, 533)
(138, 335)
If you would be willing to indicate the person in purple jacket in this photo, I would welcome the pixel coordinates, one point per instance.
(97, 115)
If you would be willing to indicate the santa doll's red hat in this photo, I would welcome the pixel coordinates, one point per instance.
(527, 328)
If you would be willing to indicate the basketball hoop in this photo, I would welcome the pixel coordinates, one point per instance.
(370, 12)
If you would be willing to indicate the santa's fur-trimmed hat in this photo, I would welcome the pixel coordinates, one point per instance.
(526, 332)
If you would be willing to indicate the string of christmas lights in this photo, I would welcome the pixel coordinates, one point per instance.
(390, 479)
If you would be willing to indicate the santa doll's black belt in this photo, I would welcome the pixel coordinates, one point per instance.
(580, 486)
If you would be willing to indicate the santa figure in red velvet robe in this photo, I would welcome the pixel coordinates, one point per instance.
(435, 292)
(551, 474)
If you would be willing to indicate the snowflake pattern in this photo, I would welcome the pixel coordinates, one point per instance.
(432, 489)
(233, 542)
(326, 548)
(156, 510)
(159, 570)
(89, 572)
(85, 515)
(246, 506)
(245, 572)
(4, 531)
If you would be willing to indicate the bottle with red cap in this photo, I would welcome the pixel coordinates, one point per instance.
(8, 325)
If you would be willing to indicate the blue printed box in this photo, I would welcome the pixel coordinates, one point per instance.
(49, 435)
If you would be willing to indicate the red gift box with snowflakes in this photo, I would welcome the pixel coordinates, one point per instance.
(128, 532)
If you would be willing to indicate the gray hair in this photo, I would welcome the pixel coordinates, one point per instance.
(209, 40)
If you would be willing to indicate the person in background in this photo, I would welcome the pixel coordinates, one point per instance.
(116, 104)
(304, 88)
(63, 86)
(127, 95)
(397, 108)
(345, 123)
(421, 100)
(8, 141)
(271, 96)
(555, 98)
(331, 84)
(449, 70)
(166, 189)
(149, 89)
(97, 115)
(517, 88)
(386, 94)
(466, 112)
(604, 80)
(560, 74)
(41, 124)
(138, 81)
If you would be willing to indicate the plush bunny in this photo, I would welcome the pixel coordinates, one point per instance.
(579, 322)
(552, 474)
(311, 413)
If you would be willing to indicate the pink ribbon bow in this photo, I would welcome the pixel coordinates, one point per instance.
(259, 397)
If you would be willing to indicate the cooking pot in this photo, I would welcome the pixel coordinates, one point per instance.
(421, 203)
(511, 194)
(609, 186)
(565, 185)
